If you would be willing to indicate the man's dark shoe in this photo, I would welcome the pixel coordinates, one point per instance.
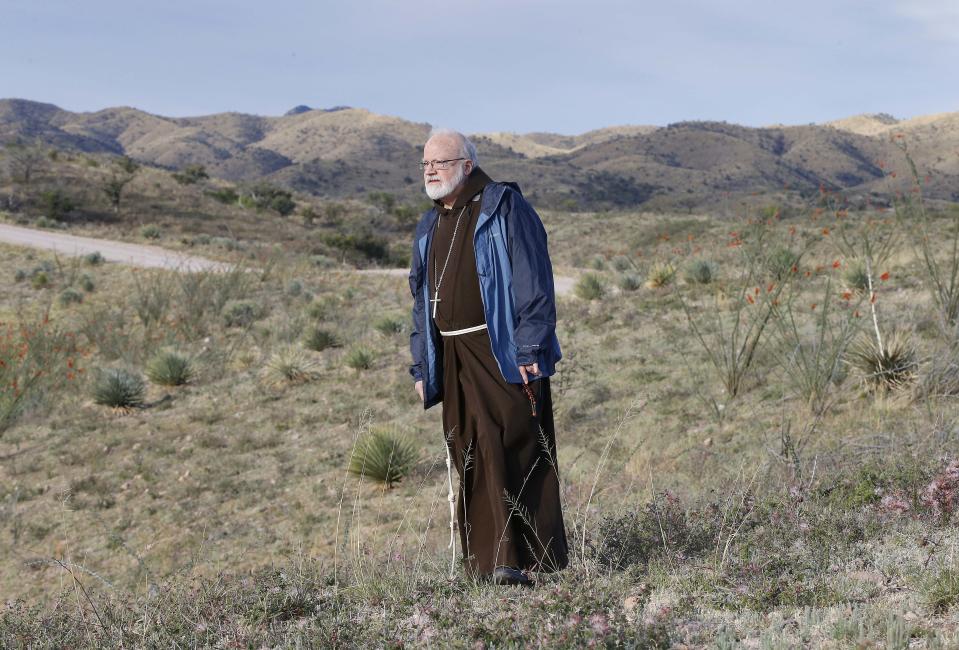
(506, 575)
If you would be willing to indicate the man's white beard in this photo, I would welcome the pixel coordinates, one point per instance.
(441, 190)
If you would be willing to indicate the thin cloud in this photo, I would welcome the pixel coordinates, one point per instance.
(940, 18)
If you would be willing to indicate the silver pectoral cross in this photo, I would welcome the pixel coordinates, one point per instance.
(435, 300)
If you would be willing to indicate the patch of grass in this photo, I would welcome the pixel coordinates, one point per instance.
(941, 591)
(151, 231)
(360, 358)
(289, 365)
(589, 287)
(660, 275)
(241, 313)
(388, 326)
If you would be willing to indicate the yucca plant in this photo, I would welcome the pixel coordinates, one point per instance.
(700, 272)
(887, 366)
(168, 368)
(660, 275)
(589, 287)
(319, 339)
(119, 389)
(781, 262)
(383, 456)
(359, 358)
(289, 365)
(855, 276)
(622, 263)
(387, 326)
(629, 282)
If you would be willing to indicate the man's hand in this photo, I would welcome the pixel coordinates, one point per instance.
(419, 389)
(525, 371)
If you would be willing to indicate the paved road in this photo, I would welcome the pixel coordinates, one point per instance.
(113, 251)
(153, 256)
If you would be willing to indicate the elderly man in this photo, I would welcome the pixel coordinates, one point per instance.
(484, 344)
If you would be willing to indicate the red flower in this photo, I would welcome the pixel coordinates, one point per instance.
(825, 231)
(836, 264)
(884, 276)
(813, 306)
(847, 295)
(749, 299)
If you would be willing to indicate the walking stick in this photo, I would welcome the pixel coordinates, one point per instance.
(452, 500)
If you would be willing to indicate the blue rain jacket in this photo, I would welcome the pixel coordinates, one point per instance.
(516, 285)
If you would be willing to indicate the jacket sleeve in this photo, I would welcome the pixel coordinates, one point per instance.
(416, 336)
(533, 294)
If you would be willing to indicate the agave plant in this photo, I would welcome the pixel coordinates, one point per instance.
(119, 389)
(383, 456)
(700, 272)
(319, 339)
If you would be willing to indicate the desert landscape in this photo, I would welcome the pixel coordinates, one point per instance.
(758, 432)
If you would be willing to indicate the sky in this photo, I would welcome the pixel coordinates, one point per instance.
(495, 65)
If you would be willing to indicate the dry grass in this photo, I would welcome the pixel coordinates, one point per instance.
(222, 477)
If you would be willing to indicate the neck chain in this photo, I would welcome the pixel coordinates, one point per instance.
(438, 280)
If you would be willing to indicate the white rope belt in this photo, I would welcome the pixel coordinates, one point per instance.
(464, 331)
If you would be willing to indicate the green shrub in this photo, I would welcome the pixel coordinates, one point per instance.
(856, 277)
(318, 309)
(387, 326)
(589, 287)
(150, 231)
(700, 272)
(318, 339)
(190, 174)
(119, 389)
(46, 222)
(660, 275)
(359, 358)
(383, 456)
(56, 204)
(227, 195)
(93, 259)
(86, 283)
(781, 262)
(289, 365)
(598, 263)
(294, 288)
(40, 280)
(622, 263)
(629, 282)
(941, 591)
(240, 313)
(169, 369)
(19, 275)
(322, 261)
(70, 296)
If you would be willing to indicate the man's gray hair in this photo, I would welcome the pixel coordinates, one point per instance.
(469, 149)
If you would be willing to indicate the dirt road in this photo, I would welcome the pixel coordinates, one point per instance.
(113, 251)
(152, 256)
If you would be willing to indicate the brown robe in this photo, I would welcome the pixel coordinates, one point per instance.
(508, 509)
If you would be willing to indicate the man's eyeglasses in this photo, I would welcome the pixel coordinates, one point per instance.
(439, 164)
